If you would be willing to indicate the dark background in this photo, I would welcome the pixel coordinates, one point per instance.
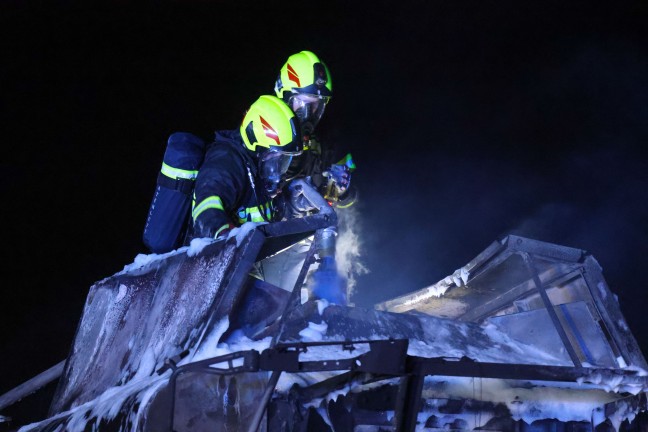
(467, 120)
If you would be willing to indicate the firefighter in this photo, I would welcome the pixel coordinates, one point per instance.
(243, 169)
(304, 83)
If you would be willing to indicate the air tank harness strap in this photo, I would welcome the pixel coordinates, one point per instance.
(180, 184)
(262, 208)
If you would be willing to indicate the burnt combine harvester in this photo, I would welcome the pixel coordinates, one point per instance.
(526, 337)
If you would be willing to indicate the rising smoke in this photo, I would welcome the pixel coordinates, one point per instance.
(348, 253)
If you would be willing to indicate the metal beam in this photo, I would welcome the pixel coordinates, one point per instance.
(550, 309)
(29, 387)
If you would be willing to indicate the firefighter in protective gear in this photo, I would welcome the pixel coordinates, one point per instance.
(243, 169)
(304, 83)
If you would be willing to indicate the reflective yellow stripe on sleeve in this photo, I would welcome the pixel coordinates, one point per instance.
(208, 203)
(254, 214)
(221, 229)
(176, 173)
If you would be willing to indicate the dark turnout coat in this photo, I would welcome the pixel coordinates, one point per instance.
(228, 191)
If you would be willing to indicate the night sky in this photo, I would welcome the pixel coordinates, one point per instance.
(468, 121)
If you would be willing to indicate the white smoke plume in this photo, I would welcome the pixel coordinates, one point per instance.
(349, 247)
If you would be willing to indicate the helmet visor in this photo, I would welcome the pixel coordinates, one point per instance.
(274, 163)
(308, 108)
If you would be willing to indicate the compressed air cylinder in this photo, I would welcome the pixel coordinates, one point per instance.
(168, 215)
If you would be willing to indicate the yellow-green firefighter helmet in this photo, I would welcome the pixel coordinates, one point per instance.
(304, 73)
(305, 84)
(270, 124)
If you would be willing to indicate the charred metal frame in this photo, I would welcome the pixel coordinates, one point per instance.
(528, 260)
(265, 241)
(276, 237)
(385, 359)
(620, 339)
(388, 359)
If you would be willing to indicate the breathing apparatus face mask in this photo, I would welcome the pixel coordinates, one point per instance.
(308, 109)
(273, 164)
